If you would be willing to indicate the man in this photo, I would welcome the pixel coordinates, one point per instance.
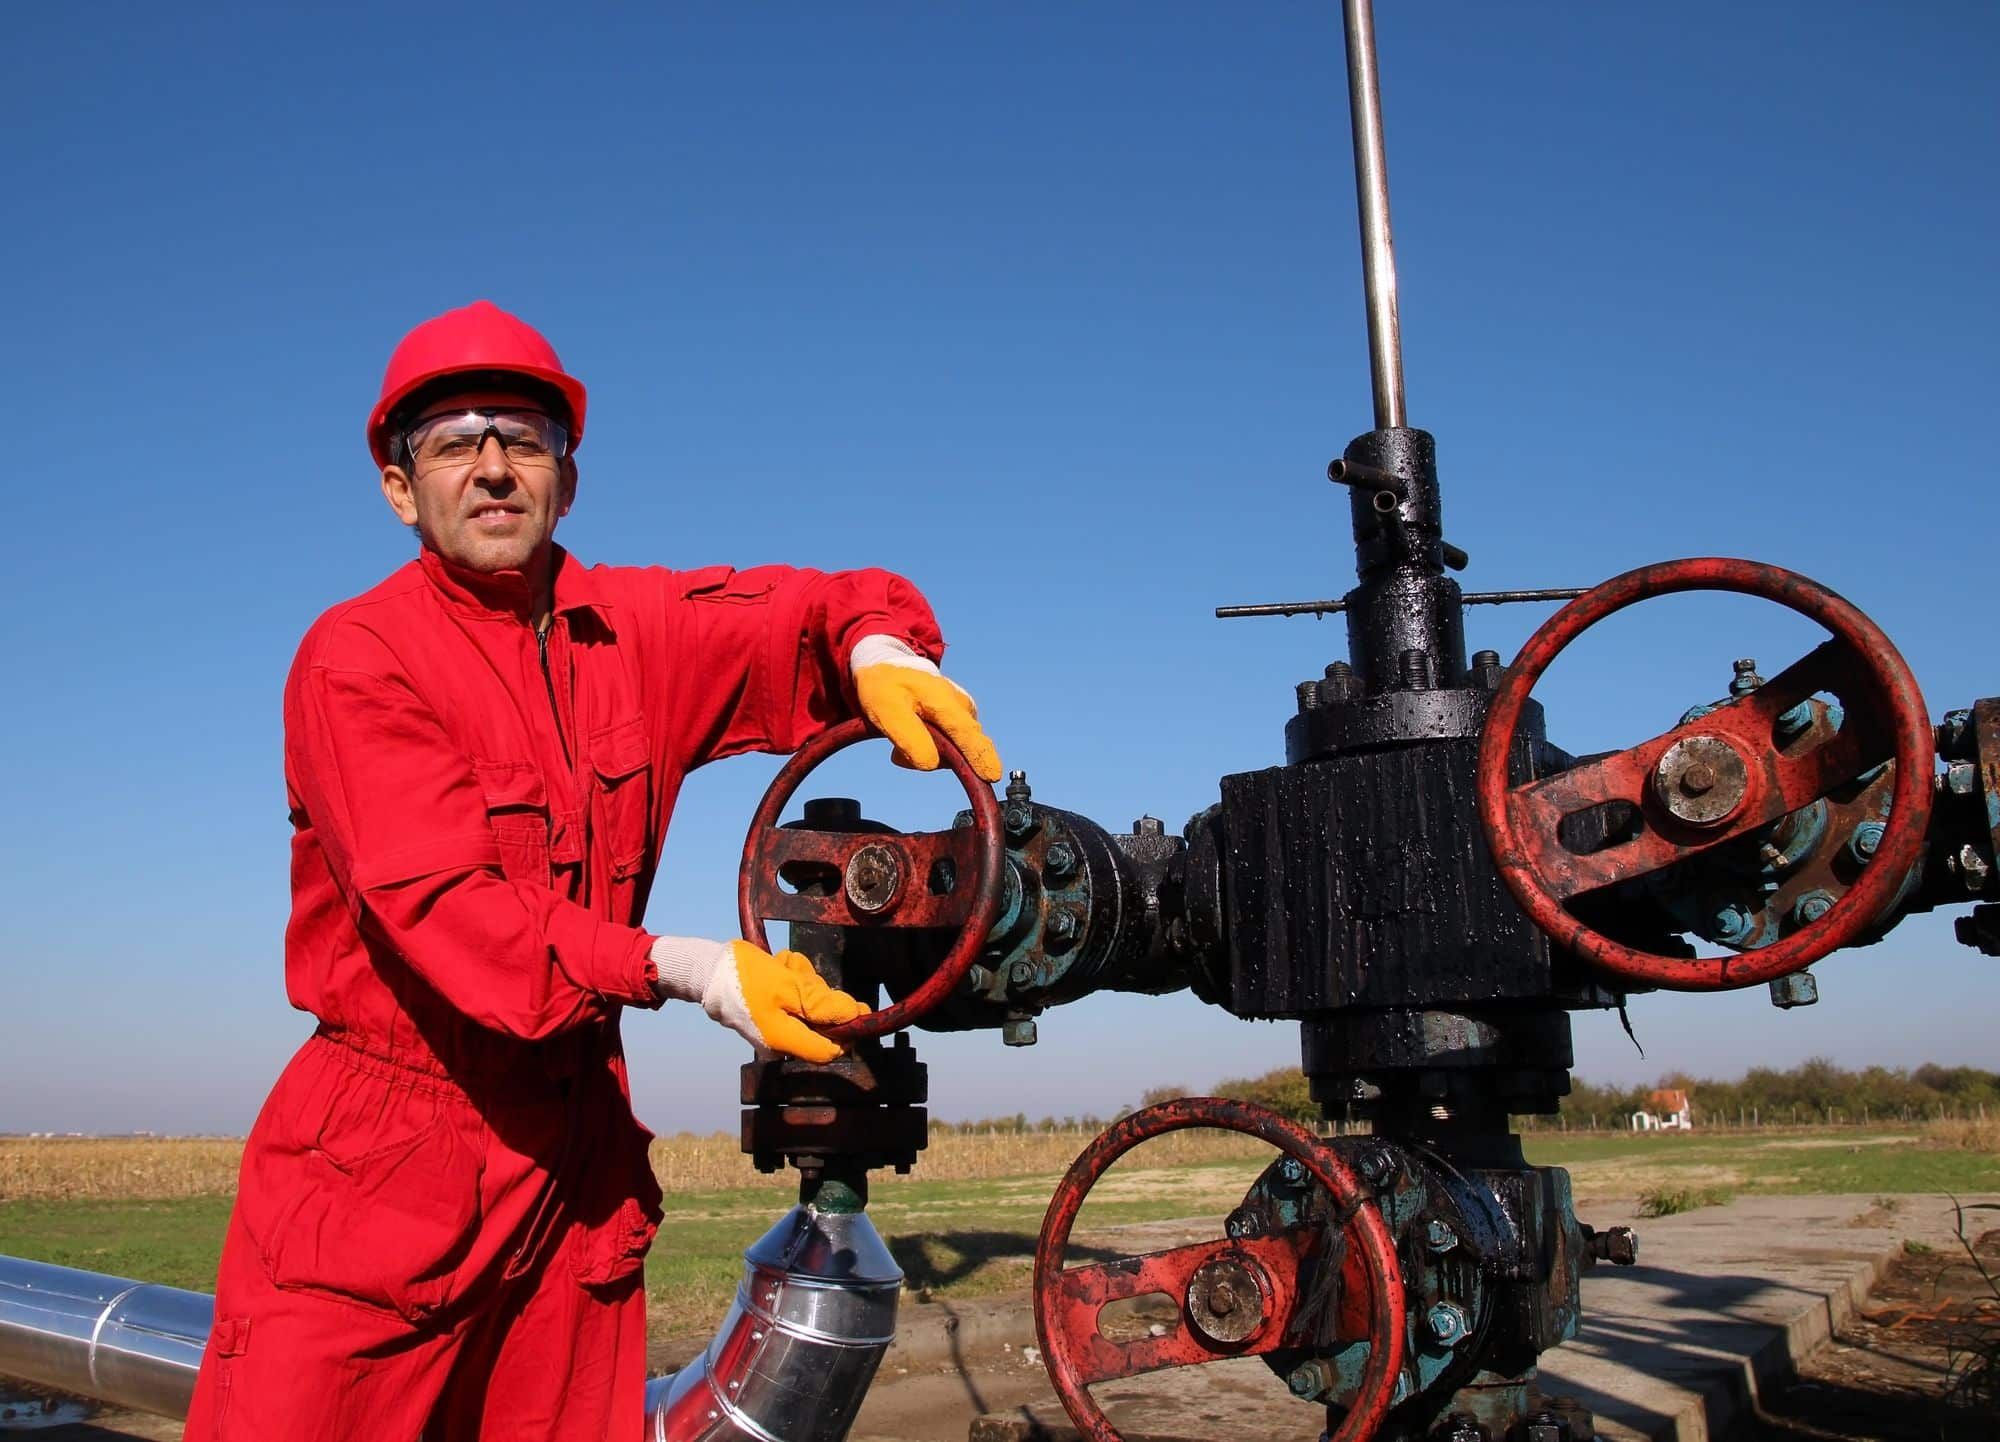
(445, 1202)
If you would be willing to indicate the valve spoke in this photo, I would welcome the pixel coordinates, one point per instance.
(1775, 784)
(915, 879)
(1082, 1293)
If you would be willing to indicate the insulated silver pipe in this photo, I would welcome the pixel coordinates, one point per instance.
(131, 1343)
(792, 1361)
(813, 1315)
(1371, 185)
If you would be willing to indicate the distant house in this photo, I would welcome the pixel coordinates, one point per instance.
(1667, 1110)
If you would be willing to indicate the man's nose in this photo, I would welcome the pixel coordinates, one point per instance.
(492, 468)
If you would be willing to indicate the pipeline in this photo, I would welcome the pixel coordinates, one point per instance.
(814, 1313)
(133, 1344)
(792, 1361)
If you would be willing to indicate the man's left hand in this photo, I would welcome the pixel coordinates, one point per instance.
(900, 690)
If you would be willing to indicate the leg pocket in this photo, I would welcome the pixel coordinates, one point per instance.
(378, 1202)
(621, 1211)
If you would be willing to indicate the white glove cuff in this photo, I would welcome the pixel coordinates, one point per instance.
(889, 651)
(686, 965)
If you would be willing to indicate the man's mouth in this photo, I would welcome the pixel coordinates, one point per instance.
(495, 513)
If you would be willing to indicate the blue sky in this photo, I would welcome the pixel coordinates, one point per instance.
(1055, 309)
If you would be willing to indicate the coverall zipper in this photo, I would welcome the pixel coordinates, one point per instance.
(549, 680)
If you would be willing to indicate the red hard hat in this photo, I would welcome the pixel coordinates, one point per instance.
(477, 337)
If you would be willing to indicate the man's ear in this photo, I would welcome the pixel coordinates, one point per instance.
(397, 491)
(566, 496)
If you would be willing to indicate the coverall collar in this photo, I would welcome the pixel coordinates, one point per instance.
(508, 593)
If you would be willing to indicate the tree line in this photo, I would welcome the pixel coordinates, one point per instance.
(1816, 1091)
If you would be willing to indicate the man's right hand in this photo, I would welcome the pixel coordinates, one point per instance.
(770, 1001)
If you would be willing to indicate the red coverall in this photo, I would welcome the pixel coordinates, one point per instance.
(445, 1203)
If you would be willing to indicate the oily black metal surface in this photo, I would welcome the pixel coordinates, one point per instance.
(862, 1110)
(1362, 880)
(1404, 602)
(1414, 1066)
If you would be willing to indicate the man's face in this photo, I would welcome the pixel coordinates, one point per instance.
(490, 509)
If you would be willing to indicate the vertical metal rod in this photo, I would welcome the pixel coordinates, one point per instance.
(1371, 184)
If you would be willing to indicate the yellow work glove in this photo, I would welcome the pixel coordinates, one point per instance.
(770, 1001)
(900, 690)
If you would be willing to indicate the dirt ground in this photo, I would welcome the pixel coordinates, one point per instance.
(1900, 1369)
(1891, 1374)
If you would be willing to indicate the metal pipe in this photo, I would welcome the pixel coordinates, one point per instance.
(1371, 184)
(134, 1344)
(791, 1362)
(793, 1359)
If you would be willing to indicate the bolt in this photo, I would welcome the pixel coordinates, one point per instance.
(1486, 669)
(1794, 721)
(1798, 989)
(1545, 1427)
(1149, 826)
(977, 977)
(1461, 1427)
(1731, 924)
(1618, 1245)
(1308, 695)
(1019, 818)
(1375, 1167)
(1221, 1299)
(1061, 860)
(1962, 778)
(1242, 1223)
(1746, 679)
(1414, 666)
(1062, 927)
(1812, 906)
(1309, 1380)
(1021, 973)
(1972, 868)
(1018, 1031)
(1339, 683)
(1017, 786)
(1439, 1236)
(1447, 1322)
(1292, 1170)
(1866, 839)
(1698, 778)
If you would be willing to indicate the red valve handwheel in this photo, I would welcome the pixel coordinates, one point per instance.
(1521, 821)
(1077, 1354)
(901, 893)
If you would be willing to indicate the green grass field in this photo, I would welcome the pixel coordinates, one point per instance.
(969, 1238)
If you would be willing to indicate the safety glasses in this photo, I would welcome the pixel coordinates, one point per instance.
(452, 440)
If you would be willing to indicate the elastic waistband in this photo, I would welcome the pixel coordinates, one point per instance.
(535, 1080)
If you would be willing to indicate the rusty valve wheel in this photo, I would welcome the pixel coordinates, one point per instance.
(1712, 779)
(1237, 1298)
(926, 879)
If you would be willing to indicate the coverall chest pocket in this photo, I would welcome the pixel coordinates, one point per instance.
(621, 801)
(517, 808)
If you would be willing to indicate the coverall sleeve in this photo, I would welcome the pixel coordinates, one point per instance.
(771, 648)
(402, 820)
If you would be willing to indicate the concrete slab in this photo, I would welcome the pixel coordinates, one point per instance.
(1673, 1350)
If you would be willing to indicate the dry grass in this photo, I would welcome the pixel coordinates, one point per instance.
(690, 1163)
(117, 1168)
(1964, 1136)
(153, 1168)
